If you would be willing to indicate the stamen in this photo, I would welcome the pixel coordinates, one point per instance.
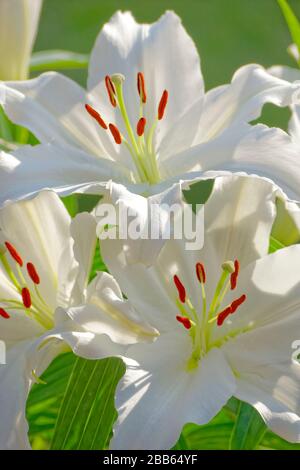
(92, 112)
(181, 289)
(115, 133)
(32, 272)
(140, 127)
(26, 297)
(200, 272)
(236, 303)
(234, 275)
(111, 91)
(223, 315)
(14, 254)
(162, 105)
(4, 314)
(185, 321)
(141, 87)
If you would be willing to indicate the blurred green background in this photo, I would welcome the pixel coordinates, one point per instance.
(228, 33)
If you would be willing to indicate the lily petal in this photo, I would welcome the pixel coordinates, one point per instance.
(16, 380)
(37, 104)
(106, 312)
(290, 74)
(18, 28)
(152, 217)
(270, 298)
(239, 216)
(127, 47)
(242, 101)
(63, 168)
(274, 392)
(157, 396)
(83, 232)
(267, 152)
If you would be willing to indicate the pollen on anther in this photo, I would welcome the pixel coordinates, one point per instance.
(185, 321)
(26, 297)
(4, 314)
(140, 127)
(115, 133)
(223, 315)
(236, 303)
(234, 275)
(95, 115)
(180, 288)
(14, 253)
(110, 91)
(200, 272)
(32, 273)
(141, 87)
(162, 105)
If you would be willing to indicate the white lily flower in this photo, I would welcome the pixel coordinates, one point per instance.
(19, 21)
(227, 316)
(293, 76)
(45, 261)
(145, 119)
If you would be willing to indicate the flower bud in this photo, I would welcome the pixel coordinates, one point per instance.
(18, 27)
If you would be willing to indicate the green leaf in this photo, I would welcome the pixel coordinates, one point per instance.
(249, 429)
(214, 435)
(209, 437)
(6, 128)
(71, 204)
(76, 203)
(284, 229)
(271, 441)
(292, 21)
(57, 60)
(275, 245)
(198, 193)
(98, 263)
(87, 413)
(44, 401)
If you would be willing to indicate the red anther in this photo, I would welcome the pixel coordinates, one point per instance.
(92, 112)
(111, 91)
(4, 314)
(236, 303)
(32, 272)
(185, 321)
(115, 133)
(141, 87)
(181, 289)
(26, 297)
(14, 254)
(200, 272)
(234, 275)
(140, 127)
(162, 104)
(223, 315)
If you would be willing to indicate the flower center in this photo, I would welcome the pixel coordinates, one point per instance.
(25, 280)
(199, 326)
(139, 142)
